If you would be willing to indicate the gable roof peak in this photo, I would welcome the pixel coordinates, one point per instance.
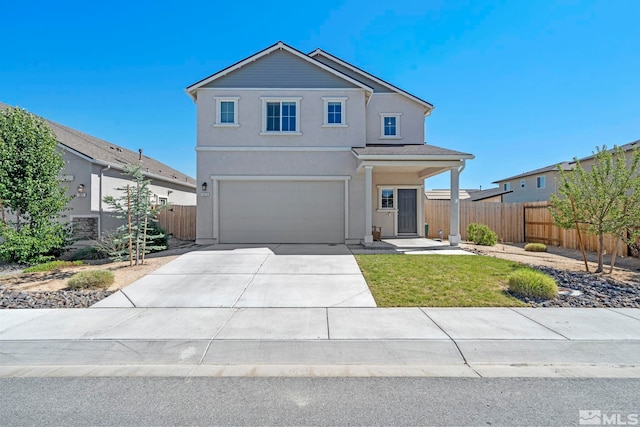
(279, 45)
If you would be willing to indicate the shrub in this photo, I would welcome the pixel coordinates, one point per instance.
(480, 234)
(91, 279)
(535, 247)
(90, 252)
(532, 284)
(160, 237)
(113, 245)
(52, 265)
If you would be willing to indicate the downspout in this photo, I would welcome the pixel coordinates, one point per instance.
(102, 170)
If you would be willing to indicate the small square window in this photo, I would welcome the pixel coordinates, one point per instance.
(540, 182)
(390, 126)
(386, 198)
(226, 111)
(334, 112)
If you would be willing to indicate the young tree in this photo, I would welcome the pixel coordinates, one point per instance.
(602, 200)
(135, 207)
(31, 197)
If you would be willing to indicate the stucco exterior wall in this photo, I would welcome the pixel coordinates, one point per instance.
(411, 119)
(278, 163)
(385, 218)
(311, 114)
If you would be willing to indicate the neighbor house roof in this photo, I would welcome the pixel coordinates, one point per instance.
(488, 193)
(105, 153)
(567, 165)
(409, 151)
(473, 195)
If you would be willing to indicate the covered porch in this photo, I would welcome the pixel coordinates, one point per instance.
(394, 187)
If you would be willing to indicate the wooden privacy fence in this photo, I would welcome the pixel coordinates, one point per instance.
(513, 222)
(506, 219)
(539, 228)
(180, 221)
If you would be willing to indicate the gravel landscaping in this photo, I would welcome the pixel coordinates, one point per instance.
(596, 291)
(10, 298)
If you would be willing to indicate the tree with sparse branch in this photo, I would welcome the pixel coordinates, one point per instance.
(31, 197)
(135, 207)
(602, 200)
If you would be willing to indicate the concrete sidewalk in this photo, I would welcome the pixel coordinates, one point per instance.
(335, 341)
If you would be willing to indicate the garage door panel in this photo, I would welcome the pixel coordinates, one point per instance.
(282, 212)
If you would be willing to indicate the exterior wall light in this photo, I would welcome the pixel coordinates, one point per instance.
(204, 186)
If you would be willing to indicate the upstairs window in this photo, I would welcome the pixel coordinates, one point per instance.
(227, 111)
(334, 112)
(540, 182)
(390, 126)
(522, 182)
(507, 186)
(281, 116)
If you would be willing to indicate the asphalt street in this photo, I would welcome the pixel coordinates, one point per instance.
(312, 401)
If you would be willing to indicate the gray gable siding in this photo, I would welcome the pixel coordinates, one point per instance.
(377, 87)
(279, 70)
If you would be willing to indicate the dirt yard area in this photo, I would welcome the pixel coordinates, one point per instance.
(124, 274)
(627, 269)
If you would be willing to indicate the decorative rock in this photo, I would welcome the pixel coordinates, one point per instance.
(10, 298)
(597, 291)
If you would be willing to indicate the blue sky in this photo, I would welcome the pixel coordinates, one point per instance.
(519, 84)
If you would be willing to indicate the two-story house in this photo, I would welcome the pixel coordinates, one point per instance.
(93, 169)
(538, 185)
(297, 148)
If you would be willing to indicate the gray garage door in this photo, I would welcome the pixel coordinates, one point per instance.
(282, 212)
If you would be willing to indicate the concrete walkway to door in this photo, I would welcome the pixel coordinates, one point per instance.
(277, 275)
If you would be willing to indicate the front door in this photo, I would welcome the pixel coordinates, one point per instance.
(407, 213)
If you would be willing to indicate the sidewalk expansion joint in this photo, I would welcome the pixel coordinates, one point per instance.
(454, 343)
(538, 323)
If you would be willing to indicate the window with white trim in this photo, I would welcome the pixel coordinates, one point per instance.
(281, 116)
(390, 125)
(507, 186)
(540, 182)
(227, 111)
(386, 198)
(522, 182)
(334, 112)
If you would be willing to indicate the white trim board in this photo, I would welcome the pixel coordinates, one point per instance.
(272, 148)
(280, 177)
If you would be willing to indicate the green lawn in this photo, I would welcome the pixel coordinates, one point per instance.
(438, 280)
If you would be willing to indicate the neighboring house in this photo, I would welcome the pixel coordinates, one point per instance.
(296, 148)
(472, 195)
(539, 184)
(93, 169)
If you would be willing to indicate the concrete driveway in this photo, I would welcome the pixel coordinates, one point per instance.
(252, 276)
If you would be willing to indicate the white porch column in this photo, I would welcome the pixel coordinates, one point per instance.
(368, 202)
(454, 216)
